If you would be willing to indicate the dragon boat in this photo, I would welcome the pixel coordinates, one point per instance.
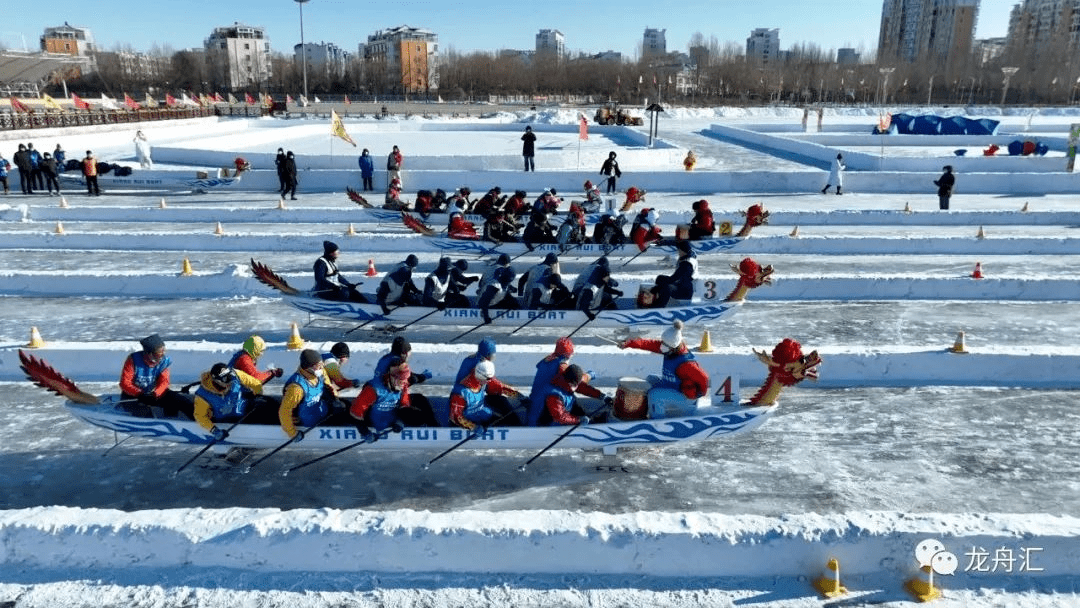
(718, 415)
(710, 308)
(163, 180)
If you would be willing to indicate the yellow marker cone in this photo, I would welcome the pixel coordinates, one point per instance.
(907, 207)
(351, 231)
(922, 586)
(186, 271)
(980, 234)
(958, 347)
(63, 202)
(1025, 208)
(295, 341)
(59, 228)
(706, 343)
(281, 203)
(795, 232)
(219, 230)
(35, 339)
(828, 584)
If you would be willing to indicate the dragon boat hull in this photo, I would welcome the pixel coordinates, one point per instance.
(450, 246)
(179, 181)
(563, 319)
(708, 423)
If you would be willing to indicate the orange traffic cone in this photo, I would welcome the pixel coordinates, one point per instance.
(59, 228)
(371, 272)
(958, 347)
(186, 270)
(977, 273)
(828, 584)
(35, 339)
(351, 231)
(219, 230)
(295, 341)
(922, 586)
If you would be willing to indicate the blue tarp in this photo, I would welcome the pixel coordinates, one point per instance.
(932, 124)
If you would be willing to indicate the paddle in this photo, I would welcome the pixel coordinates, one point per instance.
(546, 308)
(214, 441)
(459, 336)
(248, 468)
(469, 437)
(393, 328)
(559, 438)
(365, 323)
(647, 246)
(286, 472)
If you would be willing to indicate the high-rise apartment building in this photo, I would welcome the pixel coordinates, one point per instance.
(763, 46)
(920, 30)
(407, 54)
(323, 58)
(238, 57)
(1045, 26)
(550, 42)
(654, 43)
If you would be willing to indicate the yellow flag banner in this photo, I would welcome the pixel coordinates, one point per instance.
(50, 102)
(338, 128)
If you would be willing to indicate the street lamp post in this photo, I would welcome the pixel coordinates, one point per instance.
(885, 84)
(1008, 72)
(303, 49)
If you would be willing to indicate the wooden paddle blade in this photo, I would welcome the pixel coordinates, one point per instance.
(355, 197)
(269, 277)
(414, 224)
(41, 374)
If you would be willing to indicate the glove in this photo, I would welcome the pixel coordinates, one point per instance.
(583, 420)
(299, 436)
(487, 318)
(385, 310)
(427, 375)
(278, 372)
(440, 305)
(357, 384)
(219, 434)
(608, 402)
(590, 374)
(479, 430)
(397, 427)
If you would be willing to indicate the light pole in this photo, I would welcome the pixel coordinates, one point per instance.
(885, 83)
(303, 49)
(1008, 72)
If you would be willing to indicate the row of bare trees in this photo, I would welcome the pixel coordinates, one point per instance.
(719, 74)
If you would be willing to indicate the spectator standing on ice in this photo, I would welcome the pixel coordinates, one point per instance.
(48, 169)
(89, 169)
(279, 164)
(367, 170)
(836, 175)
(394, 162)
(610, 168)
(142, 150)
(945, 185)
(528, 149)
(5, 168)
(61, 158)
(22, 163)
(290, 175)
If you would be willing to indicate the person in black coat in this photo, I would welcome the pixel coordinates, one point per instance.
(528, 149)
(290, 175)
(610, 168)
(279, 164)
(945, 185)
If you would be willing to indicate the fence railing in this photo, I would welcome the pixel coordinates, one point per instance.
(79, 118)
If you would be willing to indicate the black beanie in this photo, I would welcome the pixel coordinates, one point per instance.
(309, 358)
(329, 247)
(151, 343)
(400, 347)
(340, 350)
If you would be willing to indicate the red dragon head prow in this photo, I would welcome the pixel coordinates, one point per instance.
(787, 367)
(756, 215)
(751, 275)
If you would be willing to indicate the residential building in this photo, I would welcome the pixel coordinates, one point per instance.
(654, 43)
(407, 55)
(920, 30)
(763, 46)
(71, 40)
(550, 43)
(847, 56)
(989, 49)
(238, 57)
(1043, 27)
(136, 66)
(323, 58)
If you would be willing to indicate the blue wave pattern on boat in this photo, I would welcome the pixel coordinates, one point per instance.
(153, 428)
(211, 183)
(662, 431)
(662, 316)
(336, 309)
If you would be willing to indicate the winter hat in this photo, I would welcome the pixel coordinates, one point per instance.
(151, 343)
(485, 370)
(340, 350)
(462, 265)
(551, 259)
(486, 348)
(444, 262)
(603, 262)
(588, 184)
(329, 247)
(672, 336)
(411, 261)
(564, 347)
(254, 346)
(573, 374)
(400, 347)
(309, 358)
(504, 260)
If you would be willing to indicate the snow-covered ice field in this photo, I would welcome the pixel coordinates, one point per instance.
(899, 442)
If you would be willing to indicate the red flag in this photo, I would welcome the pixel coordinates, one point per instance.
(19, 106)
(130, 103)
(347, 102)
(249, 99)
(170, 100)
(79, 102)
(218, 97)
(289, 99)
(583, 128)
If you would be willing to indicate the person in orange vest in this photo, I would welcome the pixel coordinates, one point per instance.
(689, 161)
(89, 171)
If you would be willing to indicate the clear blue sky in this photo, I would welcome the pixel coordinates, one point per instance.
(468, 25)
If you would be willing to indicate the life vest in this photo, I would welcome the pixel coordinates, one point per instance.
(668, 377)
(331, 270)
(146, 376)
(476, 409)
(439, 286)
(311, 409)
(536, 278)
(229, 404)
(567, 397)
(396, 289)
(545, 373)
(381, 412)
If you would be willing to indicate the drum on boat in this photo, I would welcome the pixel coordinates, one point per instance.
(631, 399)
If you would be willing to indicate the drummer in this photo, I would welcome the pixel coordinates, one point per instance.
(682, 383)
(543, 412)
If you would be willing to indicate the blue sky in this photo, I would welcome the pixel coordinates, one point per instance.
(468, 25)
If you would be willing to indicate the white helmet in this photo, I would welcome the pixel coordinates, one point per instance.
(485, 370)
